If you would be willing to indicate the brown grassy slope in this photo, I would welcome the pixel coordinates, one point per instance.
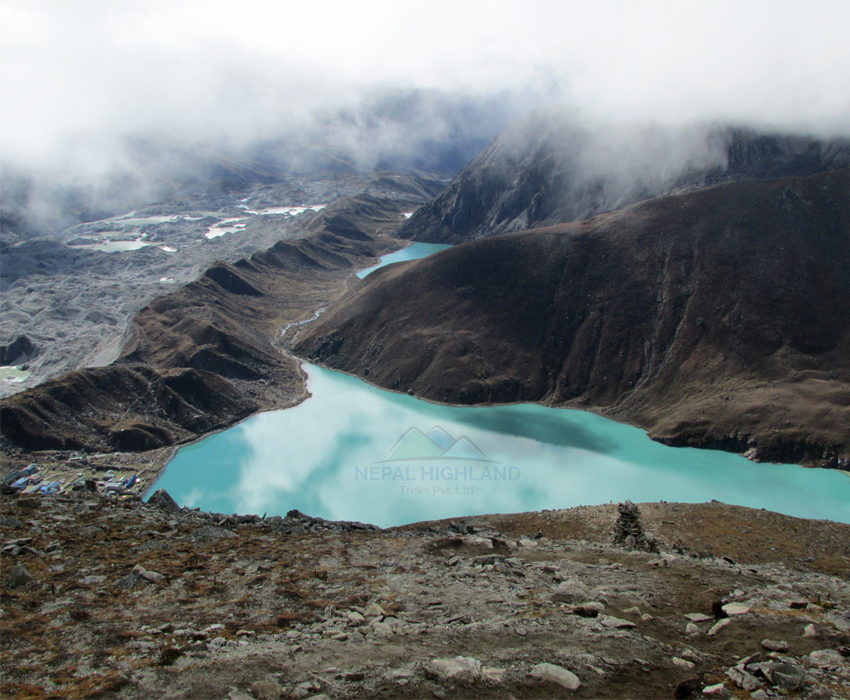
(720, 318)
(204, 357)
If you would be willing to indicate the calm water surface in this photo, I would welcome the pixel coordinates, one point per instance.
(412, 252)
(355, 452)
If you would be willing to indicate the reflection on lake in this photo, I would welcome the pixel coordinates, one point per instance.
(349, 453)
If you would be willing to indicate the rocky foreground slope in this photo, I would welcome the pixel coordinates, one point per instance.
(116, 599)
(716, 319)
(553, 166)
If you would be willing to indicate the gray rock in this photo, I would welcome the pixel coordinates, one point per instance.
(716, 691)
(772, 645)
(825, 658)
(719, 625)
(810, 632)
(210, 533)
(736, 609)
(786, 676)
(151, 576)
(691, 629)
(266, 690)
(744, 679)
(616, 623)
(570, 592)
(555, 674)
(355, 618)
(461, 669)
(162, 500)
(373, 610)
(698, 617)
(238, 695)
(131, 580)
(19, 577)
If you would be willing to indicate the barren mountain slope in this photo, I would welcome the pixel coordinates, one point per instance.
(717, 318)
(553, 166)
(205, 357)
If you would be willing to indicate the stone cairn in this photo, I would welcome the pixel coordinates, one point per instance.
(628, 530)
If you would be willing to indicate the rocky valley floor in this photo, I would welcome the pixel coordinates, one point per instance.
(116, 599)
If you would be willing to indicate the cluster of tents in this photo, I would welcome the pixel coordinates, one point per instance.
(30, 480)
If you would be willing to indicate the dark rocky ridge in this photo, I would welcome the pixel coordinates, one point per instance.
(716, 319)
(205, 357)
(553, 167)
(76, 303)
(21, 349)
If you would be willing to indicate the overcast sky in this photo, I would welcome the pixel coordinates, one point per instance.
(76, 73)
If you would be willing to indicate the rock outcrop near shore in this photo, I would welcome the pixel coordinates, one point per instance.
(714, 319)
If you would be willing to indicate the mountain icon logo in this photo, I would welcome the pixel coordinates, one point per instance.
(437, 444)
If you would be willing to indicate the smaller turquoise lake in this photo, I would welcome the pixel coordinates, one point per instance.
(355, 452)
(412, 252)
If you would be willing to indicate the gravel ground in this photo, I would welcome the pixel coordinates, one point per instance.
(127, 600)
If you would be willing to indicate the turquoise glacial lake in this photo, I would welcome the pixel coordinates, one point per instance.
(356, 452)
(412, 252)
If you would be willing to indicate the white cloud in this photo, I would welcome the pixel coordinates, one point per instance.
(80, 73)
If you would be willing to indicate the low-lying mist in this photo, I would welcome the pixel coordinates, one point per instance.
(107, 106)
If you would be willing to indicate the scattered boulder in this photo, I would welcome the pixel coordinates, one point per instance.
(719, 625)
(19, 577)
(718, 690)
(570, 592)
(238, 695)
(131, 580)
(162, 500)
(772, 645)
(744, 679)
(826, 658)
(555, 674)
(736, 609)
(266, 690)
(461, 669)
(211, 533)
(151, 576)
(786, 676)
(616, 623)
